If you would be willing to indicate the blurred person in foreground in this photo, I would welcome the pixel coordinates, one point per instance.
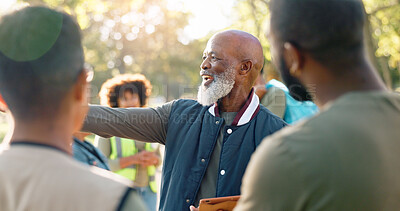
(346, 157)
(208, 142)
(43, 83)
(132, 159)
(275, 96)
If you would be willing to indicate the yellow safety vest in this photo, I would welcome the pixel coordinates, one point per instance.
(122, 147)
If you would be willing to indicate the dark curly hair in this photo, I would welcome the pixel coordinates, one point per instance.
(115, 87)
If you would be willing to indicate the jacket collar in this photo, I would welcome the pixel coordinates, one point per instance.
(246, 113)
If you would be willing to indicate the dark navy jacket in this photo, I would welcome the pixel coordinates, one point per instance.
(192, 133)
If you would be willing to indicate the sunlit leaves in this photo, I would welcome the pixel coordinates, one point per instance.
(386, 24)
(253, 18)
(384, 17)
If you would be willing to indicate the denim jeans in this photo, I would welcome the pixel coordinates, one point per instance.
(148, 196)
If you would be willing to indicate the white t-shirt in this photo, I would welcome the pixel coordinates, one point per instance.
(39, 177)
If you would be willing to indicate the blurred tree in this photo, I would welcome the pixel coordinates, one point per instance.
(143, 36)
(136, 36)
(384, 29)
(383, 33)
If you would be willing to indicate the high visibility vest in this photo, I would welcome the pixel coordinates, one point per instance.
(122, 147)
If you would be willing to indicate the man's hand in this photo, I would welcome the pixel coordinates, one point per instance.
(148, 158)
(192, 208)
(143, 158)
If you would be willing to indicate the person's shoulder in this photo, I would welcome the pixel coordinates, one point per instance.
(96, 183)
(305, 140)
(275, 173)
(115, 188)
(289, 149)
(76, 175)
(267, 112)
(56, 171)
(275, 91)
(267, 115)
(309, 129)
(101, 176)
(346, 118)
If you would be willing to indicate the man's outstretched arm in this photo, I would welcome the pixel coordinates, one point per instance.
(143, 124)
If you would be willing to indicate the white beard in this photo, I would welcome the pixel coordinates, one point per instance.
(220, 87)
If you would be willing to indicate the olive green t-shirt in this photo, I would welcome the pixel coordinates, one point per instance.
(345, 158)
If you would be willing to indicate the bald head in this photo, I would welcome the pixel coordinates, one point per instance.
(246, 46)
(244, 49)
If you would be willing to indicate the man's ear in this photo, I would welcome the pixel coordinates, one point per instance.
(80, 87)
(3, 105)
(293, 59)
(246, 66)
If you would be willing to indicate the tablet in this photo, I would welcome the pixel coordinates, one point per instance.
(226, 203)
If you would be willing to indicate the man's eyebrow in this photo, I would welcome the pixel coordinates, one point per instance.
(208, 53)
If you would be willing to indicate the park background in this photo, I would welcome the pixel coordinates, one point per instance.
(164, 39)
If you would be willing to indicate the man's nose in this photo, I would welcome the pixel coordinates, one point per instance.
(205, 65)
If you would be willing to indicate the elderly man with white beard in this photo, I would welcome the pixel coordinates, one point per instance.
(208, 142)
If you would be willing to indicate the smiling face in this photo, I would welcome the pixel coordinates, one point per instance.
(231, 63)
(217, 70)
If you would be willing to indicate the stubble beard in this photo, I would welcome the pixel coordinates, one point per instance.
(297, 90)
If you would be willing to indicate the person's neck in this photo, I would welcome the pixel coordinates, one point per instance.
(235, 100)
(361, 79)
(57, 134)
(80, 137)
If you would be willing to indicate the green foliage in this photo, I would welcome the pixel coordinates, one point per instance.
(384, 25)
(384, 16)
(135, 36)
(142, 36)
(252, 18)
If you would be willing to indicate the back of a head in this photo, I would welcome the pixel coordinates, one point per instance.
(330, 30)
(41, 56)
